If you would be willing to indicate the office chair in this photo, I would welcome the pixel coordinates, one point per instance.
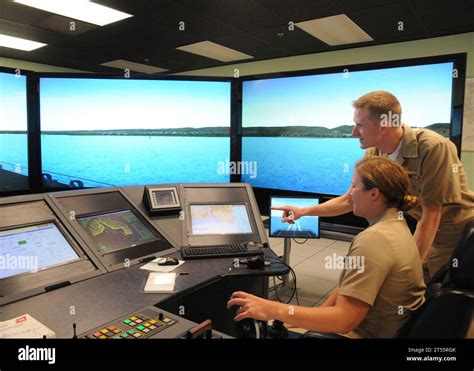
(448, 309)
(447, 312)
(446, 276)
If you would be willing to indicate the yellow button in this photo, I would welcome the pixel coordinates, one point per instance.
(133, 318)
(103, 337)
(104, 331)
(153, 321)
(146, 324)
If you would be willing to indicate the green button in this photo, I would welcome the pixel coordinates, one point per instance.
(127, 321)
(131, 332)
(125, 335)
(140, 327)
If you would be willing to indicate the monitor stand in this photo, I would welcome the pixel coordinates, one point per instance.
(286, 259)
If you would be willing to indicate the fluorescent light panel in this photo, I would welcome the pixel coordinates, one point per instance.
(18, 43)
(335, 30)
(82, 10)
(132, 66)
(215, 51)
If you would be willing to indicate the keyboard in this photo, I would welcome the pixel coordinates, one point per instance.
(219, 251)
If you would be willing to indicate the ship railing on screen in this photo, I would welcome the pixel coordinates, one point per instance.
(73, 181)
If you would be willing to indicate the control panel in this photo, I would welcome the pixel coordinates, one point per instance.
(143, 324)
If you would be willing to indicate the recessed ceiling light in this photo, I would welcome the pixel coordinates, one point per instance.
(335, 30)
(215, 51)
(132, 66)
(82, 10)
(18, 43)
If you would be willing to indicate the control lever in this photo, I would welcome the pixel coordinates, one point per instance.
(204, 328)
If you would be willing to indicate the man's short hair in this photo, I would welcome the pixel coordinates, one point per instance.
(379, 103)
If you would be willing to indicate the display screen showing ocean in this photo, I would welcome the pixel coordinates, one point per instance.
(324, 165)
(13, 116)
(297, 130)
(130, 132)
(98, 160)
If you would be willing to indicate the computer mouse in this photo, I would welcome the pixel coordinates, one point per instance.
(168, 261)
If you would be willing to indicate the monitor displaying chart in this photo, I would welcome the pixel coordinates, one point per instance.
(220, 219)
(117, 230)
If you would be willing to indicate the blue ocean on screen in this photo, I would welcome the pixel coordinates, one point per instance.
(322, 165)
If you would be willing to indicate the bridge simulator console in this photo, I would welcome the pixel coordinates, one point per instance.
(89, 246)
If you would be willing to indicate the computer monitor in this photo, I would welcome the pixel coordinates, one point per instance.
(304, 227)
(33, 248)
(116, 230)
(222, 219)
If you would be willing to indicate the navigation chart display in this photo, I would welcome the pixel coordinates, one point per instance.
(117, 231)
(220, 219)
(33, 248)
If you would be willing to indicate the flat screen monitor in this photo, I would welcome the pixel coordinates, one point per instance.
(305, 227)
(116, 231)
(288, 122)
(13, 132)
(32, 249)
(220, 219)
(134, 131)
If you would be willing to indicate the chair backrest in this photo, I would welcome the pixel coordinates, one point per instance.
(447, 314)
(461, 266)
(448, 310)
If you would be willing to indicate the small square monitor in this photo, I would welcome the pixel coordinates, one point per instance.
(116, 231)
(304, 227)
(33, 248)
(220, 219)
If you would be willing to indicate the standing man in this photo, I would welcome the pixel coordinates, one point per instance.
(435, 171)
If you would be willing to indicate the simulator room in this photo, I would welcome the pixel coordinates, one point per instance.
(237, 169)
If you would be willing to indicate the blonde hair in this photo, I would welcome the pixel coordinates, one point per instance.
(379, 103)
(389, 178)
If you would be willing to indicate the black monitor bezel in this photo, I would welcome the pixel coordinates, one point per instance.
(271, 197)
(190, 227)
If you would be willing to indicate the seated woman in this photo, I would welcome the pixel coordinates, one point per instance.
(375, 301)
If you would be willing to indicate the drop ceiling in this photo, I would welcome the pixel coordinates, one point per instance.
(258, 28)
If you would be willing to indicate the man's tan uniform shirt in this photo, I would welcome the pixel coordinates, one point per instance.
(437, 178)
